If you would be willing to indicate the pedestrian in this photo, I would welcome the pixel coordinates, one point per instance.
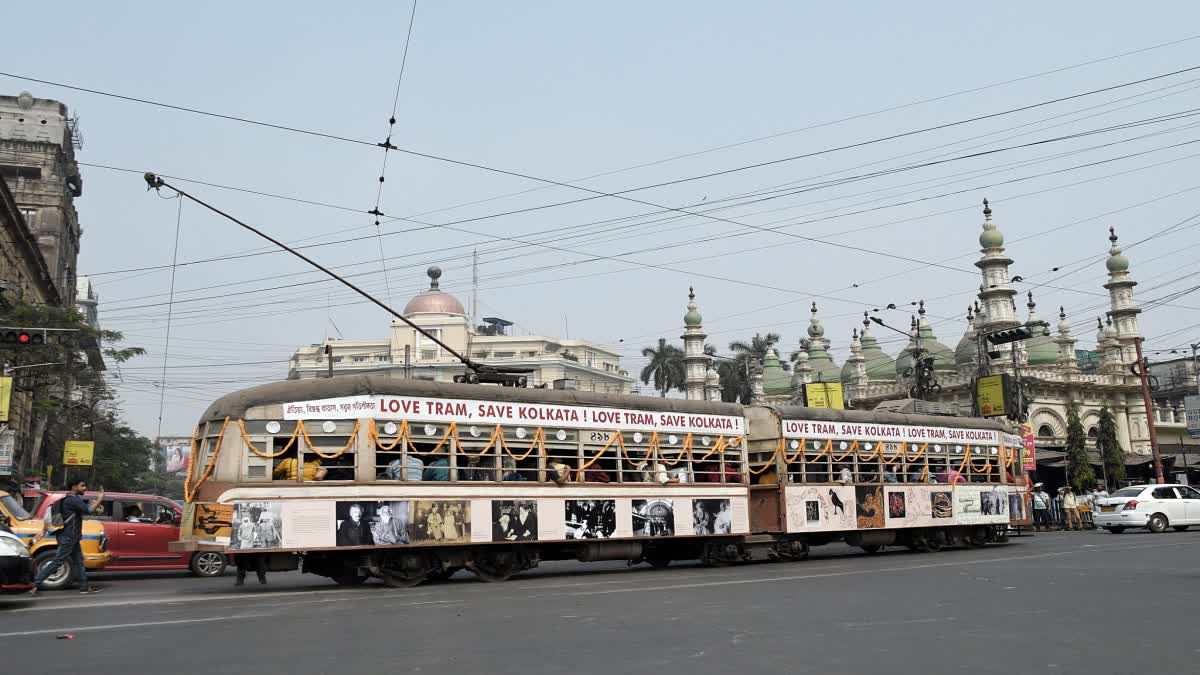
(1099, 492)
(248, 562)
(1071, 510)
(73, 510)
(1041, 508)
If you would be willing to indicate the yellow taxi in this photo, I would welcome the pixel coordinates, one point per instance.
(29, 529)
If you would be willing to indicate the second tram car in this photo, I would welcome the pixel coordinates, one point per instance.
(405, 480)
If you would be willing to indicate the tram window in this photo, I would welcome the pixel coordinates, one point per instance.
(340, 467)
(399, 463)
(564, 452)
(817, 465)
(476, 465)
(602, 470)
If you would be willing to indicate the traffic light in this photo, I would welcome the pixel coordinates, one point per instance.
(23, 337)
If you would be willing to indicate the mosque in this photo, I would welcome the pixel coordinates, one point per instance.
(1051, 367)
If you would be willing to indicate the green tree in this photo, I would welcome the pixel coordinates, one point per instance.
(1113, 454)
(1079, 469)
(665, 367)
(736, 386)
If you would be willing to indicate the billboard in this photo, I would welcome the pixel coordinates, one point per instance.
(989, 396)
(78, 453)
(174, 454)
(824, 395)
(1191, 407)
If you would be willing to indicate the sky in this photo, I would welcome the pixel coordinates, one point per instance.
(841, 129)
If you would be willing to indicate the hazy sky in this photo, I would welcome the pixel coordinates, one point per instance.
(569, 90)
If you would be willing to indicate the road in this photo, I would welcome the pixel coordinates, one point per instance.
(1055, 603)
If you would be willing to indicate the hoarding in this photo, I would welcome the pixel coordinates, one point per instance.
(989, 396)
(78, 453)
(824, 395)
(1191, 406)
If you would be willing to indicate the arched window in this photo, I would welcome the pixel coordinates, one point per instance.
(1045, 431)
(1094, 433)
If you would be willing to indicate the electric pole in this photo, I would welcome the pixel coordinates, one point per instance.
(1141, 373)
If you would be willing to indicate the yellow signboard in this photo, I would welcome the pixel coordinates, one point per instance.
(78, 453)
(5, 397)
(825, 395)
(989, 396)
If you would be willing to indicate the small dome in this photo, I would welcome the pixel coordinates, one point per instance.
(965, 352)
(434, 300)
(1117, 262)
(880, 367)
(990, 237)
(1041, 350)
(943, 357)
(815, 329)
(692, 318)
(775, 379)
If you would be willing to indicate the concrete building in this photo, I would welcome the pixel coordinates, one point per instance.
(37, 160)
(555, 362)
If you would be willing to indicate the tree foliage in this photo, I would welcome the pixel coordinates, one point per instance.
(666, 367)
(1113, 453)
(1079, 469)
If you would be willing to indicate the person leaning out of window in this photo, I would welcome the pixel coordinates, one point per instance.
(312, 470)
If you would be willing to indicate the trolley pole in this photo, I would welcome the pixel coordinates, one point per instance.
(1141, 363)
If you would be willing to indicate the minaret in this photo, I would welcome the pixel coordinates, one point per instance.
(694, 359)
(802, 369)
(1122, 309)
(712, 384)
(999, 308)
(1067, 362)
(856, 365)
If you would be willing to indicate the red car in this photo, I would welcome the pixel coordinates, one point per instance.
(139, 527)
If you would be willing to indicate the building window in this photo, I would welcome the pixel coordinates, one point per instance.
(505, 355)
(427, 349)
(360, 359)
(531, 353)
(1045, 431)
(30, 216)
(382, 359)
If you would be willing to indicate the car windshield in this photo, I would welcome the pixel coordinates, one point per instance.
(14, 508)
(1128, 492)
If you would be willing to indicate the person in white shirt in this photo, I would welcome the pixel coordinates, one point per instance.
(845, 477)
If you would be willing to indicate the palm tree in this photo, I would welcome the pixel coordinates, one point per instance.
(665, 367)
(757, 349)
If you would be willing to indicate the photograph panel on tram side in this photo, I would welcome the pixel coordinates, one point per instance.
(514, 520)
(868, 504)
(440, 521)
(353, 523)
(590, 518)
(653, 518)
(896, 505)
(942, 502)
(257, 525)
(711, 516)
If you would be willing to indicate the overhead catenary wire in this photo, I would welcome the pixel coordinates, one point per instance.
(170, 306)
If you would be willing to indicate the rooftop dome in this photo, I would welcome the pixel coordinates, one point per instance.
(943, 357)
(692, 318)
(434, 300)
(848, 369)
(880, 367)
(1041, 350)
(991, 236)
(966, 352)
(775, 379)
(1117, 262)
(823, 367)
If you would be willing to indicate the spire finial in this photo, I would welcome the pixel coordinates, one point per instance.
(866, 321)
(434, 273)
(1112, 234)
(970, 314)
(921, 309)
(1031, 304)
(987, 210)
(854, 333)
(814, 308)
(1099, 323)
(913, 323)
(691, 293)
(1062, 313)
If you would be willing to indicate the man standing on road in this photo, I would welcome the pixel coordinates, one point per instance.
(1071, 510)
(1041, 508)
(73, 510)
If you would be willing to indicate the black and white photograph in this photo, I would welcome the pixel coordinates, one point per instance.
(993, 503)
(812, 511)
(514, 520)
(257, 525)
(653, 518)
(441, 521)
(590, 518)
(354, 523)
(711, 516)
(387, 522)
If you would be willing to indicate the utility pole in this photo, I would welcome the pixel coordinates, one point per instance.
(329, 358)
(1196, 366)
(1141, 372)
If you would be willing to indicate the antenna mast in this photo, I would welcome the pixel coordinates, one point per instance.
(474, 286)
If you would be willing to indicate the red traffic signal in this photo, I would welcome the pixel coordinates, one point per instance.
(23, 338)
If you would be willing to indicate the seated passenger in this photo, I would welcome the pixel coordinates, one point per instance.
(845, 477)
(679, 475)
(510, 470)
(889, 476)
(133, 514)
(396, 470)
(475, 472)
(286, 469)
(438, 470)
(596, 476)
(656, 473)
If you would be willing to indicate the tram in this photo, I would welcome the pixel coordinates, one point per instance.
(356, 477)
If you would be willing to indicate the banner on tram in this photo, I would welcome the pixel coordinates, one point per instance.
(896, 433)
(465, 411)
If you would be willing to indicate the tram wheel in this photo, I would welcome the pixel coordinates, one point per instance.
(349, 579)
(870, 549)
(443, 574)
(934, 541)
(494, 567)
(657, 560)
(404, 570)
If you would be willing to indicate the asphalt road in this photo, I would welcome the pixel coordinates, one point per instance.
(1055, 603)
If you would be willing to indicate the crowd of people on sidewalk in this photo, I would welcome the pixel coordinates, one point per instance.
(1065, 510)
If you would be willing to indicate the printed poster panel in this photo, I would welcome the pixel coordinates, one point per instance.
(908, 506)
(445, 521)
(514, 520)
(980, 504)
(820, 508)
(309, 524)
(257, 525)
(868, 506)
(590, 518)
(551, 525)
(372, 523)
(174, 454)
(941, 504)
(712, 516)
(653, 517)
(213, 522)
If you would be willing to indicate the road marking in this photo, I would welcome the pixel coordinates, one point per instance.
(846, 573)
(218, 598)
(119, 626)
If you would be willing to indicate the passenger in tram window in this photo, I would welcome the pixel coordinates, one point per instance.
(768, 477)
(474, 471)
(656, 473)
(396, 469)
(679, 475)
(596, 475)
(286, 470)
(845, 477)
(438, 470)
(889, 476)
(510, 470)
(339, 468)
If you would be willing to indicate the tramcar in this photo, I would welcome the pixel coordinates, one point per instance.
(356, 477)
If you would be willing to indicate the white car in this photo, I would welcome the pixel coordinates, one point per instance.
(1154, 507)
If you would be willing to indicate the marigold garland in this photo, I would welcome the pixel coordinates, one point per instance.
(189, 490)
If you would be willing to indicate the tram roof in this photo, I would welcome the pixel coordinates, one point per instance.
(237, 403)
(796, 412)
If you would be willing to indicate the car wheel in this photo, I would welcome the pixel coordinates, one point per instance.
(1158, 523)
(208, 564)
(61, 578)
(1180, 528)
(1115, 530)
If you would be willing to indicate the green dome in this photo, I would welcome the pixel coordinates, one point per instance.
(991, 237)
(692, 318)
(880, 366)
(823, 367)
(966, 352)
(1041, 351)
(775, 379)
(1117, 263)
(943, 357)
